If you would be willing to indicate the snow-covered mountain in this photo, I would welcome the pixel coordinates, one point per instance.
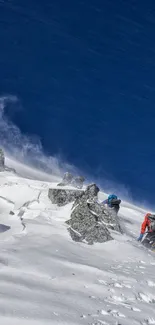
(46, 278)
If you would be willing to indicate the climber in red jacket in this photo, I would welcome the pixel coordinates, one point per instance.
(149, 224)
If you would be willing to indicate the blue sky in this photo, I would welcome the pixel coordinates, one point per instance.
(84, 72)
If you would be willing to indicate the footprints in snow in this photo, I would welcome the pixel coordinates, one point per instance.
(123, 294)
(116, 284)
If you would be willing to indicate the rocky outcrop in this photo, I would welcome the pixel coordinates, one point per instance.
(90, 220)
(63, 196)
(2, 160)
(78, 181)
(69, 179)
(111, 219)
(91, 193)
(2, 163)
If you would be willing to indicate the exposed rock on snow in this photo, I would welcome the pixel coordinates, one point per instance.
(78, 181)
(91, 193)
(85, 227)
(63, 196)
(2, 160)
(3, 167)
(89, 220)
(111, 219)
(69, 179)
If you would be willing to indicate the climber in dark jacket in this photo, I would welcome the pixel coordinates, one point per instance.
(113, 202)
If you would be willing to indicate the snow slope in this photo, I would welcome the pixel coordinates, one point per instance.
(46, 278)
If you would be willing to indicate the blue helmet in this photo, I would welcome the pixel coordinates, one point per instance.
(111, 197)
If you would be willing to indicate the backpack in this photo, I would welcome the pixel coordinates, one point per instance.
(152, 222)
(111, 197)
(115, 202)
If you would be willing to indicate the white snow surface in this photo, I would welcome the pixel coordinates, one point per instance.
(46, 278)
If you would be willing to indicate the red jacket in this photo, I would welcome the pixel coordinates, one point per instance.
(146, 223)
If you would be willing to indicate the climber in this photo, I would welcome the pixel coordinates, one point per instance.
(149, 224)
(113, 202)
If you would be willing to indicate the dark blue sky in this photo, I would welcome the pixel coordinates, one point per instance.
(84, 72)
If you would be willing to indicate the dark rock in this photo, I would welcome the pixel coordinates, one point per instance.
(86, 224)
(91, 193)
(2, 160)
(67, 179)
(3, 167)
(63, 196)
(78, 181)
(11, 213)
(4, 228)
(90, 220)
(8, 169)
(111, 219)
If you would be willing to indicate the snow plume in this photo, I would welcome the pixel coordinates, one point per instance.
(26, 149)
